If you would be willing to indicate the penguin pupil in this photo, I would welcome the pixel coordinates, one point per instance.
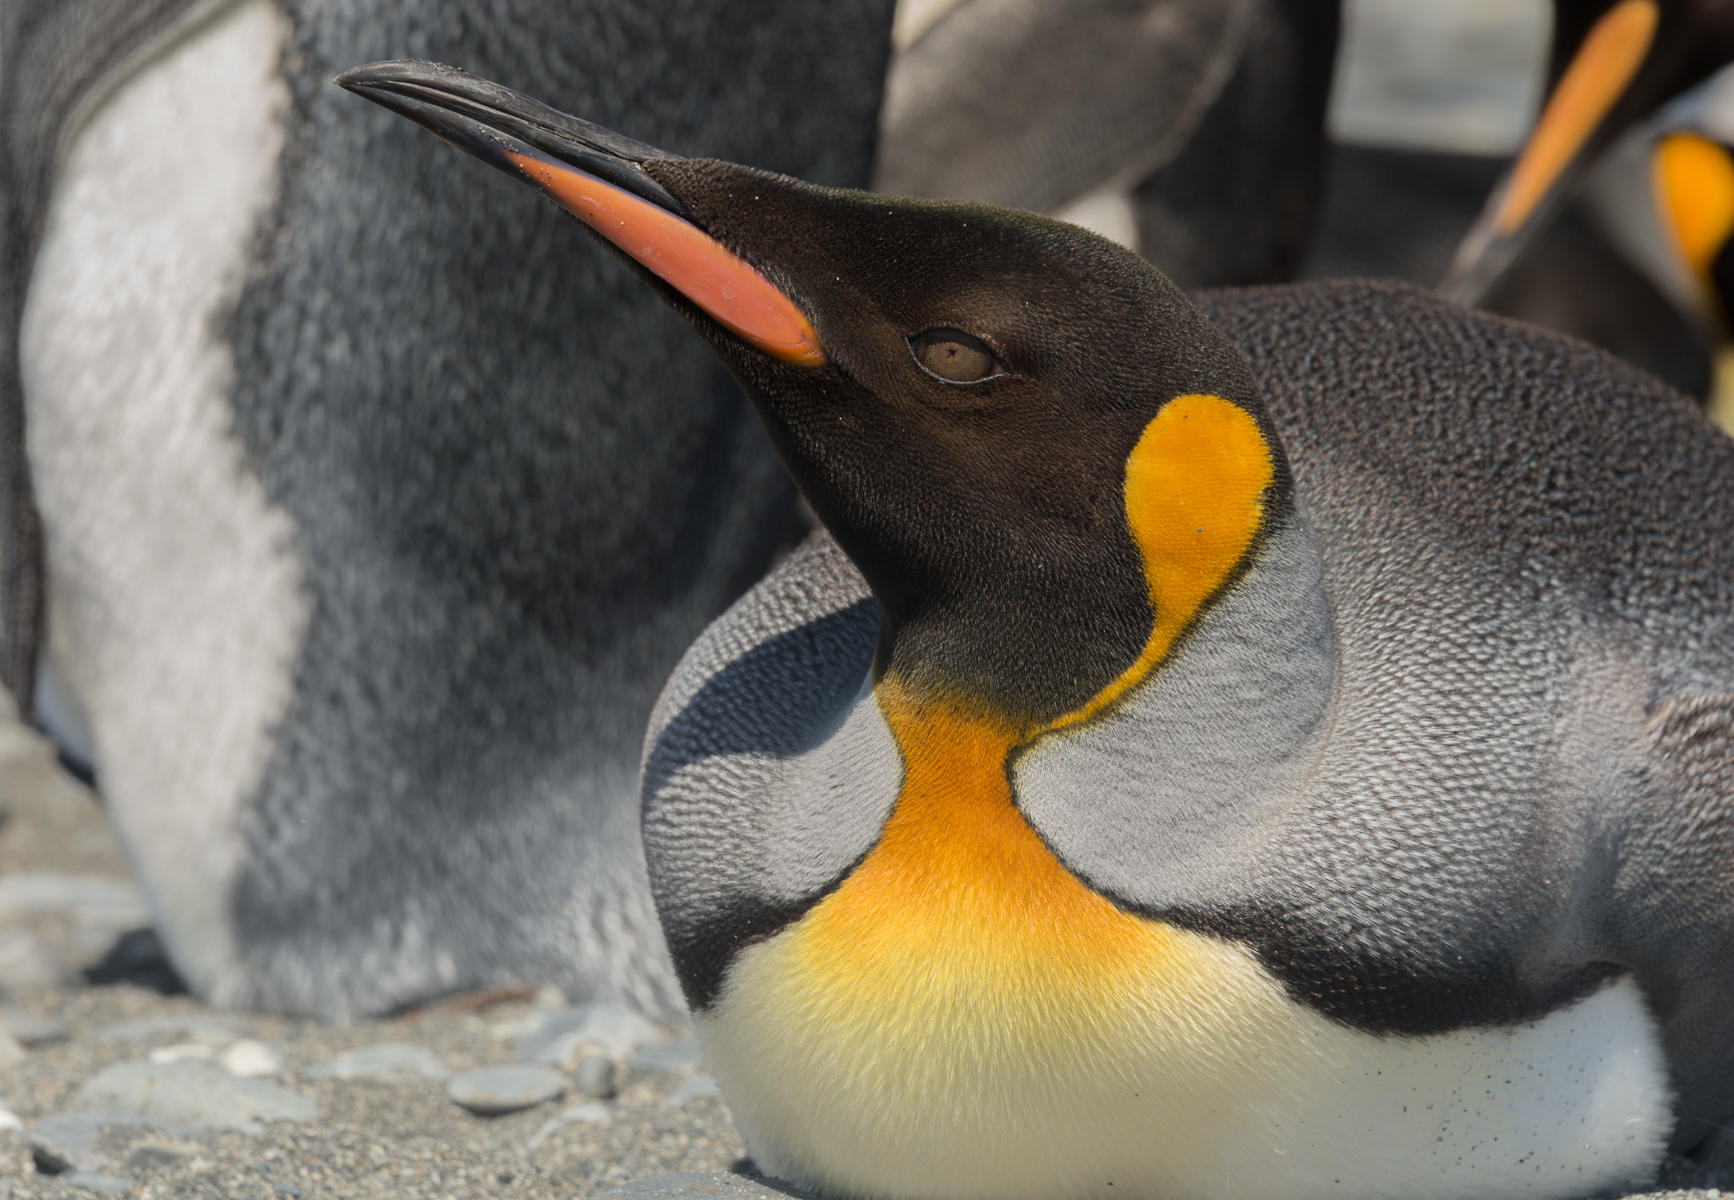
(953, 356)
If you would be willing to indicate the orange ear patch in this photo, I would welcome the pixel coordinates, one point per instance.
(1195, 486)
(686, 258)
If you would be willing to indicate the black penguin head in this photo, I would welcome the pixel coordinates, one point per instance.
(957, 389)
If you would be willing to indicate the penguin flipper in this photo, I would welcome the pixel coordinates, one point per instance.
(57, 58)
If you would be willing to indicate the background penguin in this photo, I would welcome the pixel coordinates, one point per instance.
(1192, 130)
(364, 558)
(1612, 63)
(1314, 779)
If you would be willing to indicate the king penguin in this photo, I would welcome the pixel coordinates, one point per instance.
(1274, 745)
(362, 559)
(1612, 63)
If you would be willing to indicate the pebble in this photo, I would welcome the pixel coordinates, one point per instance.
(115, 902)
(181, 1051)
(32, 1032)
(210, 1028)
(195, 1094)
(10, 1120)
(496, 1091)
(11, 1053)
(250, 1059)
(95, 1181)
(676, 1054)
(589, 1113)
(595, 1076)
(694, 1089)
(382, 1062)
(68, 1142)
(696, 1185)
(564, 1036)
(26, 965)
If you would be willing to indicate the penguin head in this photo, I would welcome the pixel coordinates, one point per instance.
(1036, 450)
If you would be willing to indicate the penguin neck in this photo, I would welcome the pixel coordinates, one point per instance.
(1205, 494)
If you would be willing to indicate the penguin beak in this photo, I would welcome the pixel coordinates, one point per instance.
(597, 176)
(1579, 118)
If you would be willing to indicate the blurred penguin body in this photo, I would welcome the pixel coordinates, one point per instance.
(1190, 129)
(363, 560)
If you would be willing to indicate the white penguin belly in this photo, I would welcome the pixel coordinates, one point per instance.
(1210, 1083)
(175, 604)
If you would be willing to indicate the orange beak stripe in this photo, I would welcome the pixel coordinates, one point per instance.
(692, 262)
(1601, 71)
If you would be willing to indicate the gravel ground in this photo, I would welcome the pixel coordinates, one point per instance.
(110, 1086)
(189, 1113)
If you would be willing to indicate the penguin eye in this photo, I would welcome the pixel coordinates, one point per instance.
(954, 356)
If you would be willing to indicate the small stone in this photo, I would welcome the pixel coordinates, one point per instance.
(496, 1091)
(576, 1114)
(155, 1154)
(595, 1076)
(383, 1062)
(196, 1094)
(709, 1185)
(210, 1028)
(10, 1121)
(11, 1053)
(27, 965)
(695, 1088)
(181, 1052)
(676, 1054)
(251, 1060)
(116, 902)
(564, 1036)
(93, 1181)
(68, 1142)
(32, 1032)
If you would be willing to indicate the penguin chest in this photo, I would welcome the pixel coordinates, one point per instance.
(961, 1017)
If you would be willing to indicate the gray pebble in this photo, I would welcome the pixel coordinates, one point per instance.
(613, 1029)
(595, 1076)
(695, 1185)
(577, 1114)
(115, 902)
(195, 1094)
(68, 1142)
(210, 1027)
(694, 1088)
(676, 1054)
(383, 1062)
(26, 964)
(32, 1032)
(495, 1091)
(11, 1053)
(93, 1181)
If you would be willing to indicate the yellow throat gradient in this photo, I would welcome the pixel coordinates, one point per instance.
(961, 947)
